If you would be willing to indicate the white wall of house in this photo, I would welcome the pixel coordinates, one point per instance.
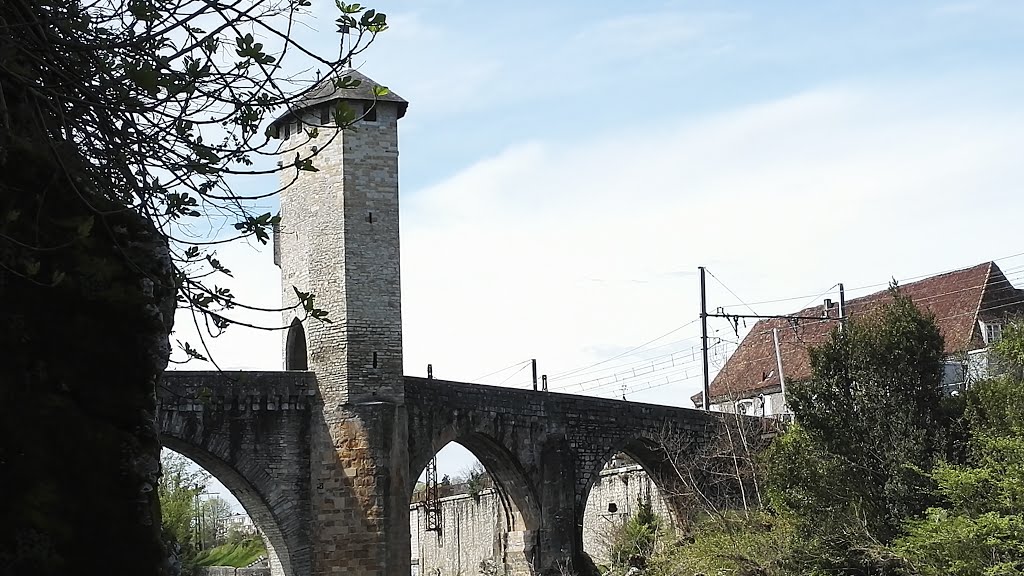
(957, 374)
(764, 404)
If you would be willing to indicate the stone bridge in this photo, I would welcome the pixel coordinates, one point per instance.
(543, 450)
(325, 454)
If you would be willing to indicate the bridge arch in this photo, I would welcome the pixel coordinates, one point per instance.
(655, 460)
(513, 534)
(500, 464)
(248, 496)
(255, 488)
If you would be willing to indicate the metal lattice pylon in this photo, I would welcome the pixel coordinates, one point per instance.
(432, 502)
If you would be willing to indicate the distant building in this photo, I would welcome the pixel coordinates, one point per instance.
(970, 306)
(240, 523)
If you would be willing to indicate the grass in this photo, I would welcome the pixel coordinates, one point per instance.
(238, 554)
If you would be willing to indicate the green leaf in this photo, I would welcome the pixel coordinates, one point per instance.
(146, 78)
(346, 83)
(85, 227)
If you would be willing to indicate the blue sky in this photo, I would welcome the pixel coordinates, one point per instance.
(484, 74)
(565, 168)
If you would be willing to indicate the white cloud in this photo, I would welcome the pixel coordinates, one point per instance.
(555, 249)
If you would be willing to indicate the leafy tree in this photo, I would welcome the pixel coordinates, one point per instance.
(978, 530)
(475, 478)
(215, 512)
(179, 489)
(872, 424)
(126, 128)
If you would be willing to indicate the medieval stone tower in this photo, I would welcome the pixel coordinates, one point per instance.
(338, 239)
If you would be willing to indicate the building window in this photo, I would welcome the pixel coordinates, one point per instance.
(325, 115)
(953, 374)
(993, 332)
(287, 130)
(745, 407)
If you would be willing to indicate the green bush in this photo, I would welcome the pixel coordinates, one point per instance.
(637, 539)
(979, 529)
(734, 544)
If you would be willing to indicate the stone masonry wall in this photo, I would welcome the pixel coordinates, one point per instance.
(546, 450)
(470, 532)
(623, 487)
(472, 528)
(231, 571)
(522, 421)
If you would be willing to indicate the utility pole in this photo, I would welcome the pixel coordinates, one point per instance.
(778, 359)
(735, 319)
(704, 338)
(842, 307)
(534, 363)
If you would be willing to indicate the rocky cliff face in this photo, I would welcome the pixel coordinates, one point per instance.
(86, 305)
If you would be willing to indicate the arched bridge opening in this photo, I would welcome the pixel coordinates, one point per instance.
(250, 496)
(487, 516)
(631, 484)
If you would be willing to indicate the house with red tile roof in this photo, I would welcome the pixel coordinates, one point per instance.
(970, 307)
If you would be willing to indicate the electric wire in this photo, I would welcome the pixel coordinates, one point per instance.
(627, 352)
(647, 373)
(634, 386)
(478, 378)
(512, 375)
(722, 284)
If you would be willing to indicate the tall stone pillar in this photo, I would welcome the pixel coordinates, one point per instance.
(339, 240)
(561, 533)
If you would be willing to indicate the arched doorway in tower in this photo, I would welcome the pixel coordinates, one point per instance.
(627, 508)
(295, 357)
(479, 518)
(215, 516)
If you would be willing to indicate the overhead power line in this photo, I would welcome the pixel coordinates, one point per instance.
(478, 378)
(626, 353)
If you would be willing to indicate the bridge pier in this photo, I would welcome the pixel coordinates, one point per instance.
(360, 500)
(561, 535)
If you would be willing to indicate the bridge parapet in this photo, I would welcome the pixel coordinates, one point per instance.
(197, 391)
